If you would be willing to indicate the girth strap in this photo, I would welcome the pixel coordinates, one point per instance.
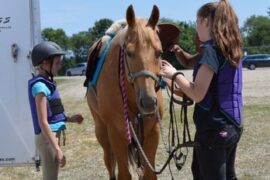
(61, 134)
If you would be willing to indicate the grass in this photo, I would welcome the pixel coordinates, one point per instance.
(85, 157)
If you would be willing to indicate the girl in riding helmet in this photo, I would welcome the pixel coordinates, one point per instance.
(47, 109)
(217, 91)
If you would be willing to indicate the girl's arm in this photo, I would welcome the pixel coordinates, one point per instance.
(186, 59)
(197, 90)
(177, 90)
(41, 105)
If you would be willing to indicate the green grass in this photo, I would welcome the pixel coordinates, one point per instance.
(85, 157)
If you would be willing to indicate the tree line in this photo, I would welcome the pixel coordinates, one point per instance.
(255, 34)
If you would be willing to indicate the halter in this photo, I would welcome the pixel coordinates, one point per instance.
(132, 76)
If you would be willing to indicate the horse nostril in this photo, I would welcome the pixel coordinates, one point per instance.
(148, 102)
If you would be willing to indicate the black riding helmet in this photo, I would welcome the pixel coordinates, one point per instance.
(45, 50)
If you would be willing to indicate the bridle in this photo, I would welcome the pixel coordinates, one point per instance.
(132, 76)
(173, 149)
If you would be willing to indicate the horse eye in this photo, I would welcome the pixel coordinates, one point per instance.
(158, 54)
(129, 54)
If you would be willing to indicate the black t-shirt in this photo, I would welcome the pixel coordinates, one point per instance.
(210, 58)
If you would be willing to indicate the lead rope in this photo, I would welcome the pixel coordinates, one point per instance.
(123, 92)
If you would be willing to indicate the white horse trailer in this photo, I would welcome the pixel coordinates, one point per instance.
(19, 32)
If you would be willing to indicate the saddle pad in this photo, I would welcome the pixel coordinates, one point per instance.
(92, 61)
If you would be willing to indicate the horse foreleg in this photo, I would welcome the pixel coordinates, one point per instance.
(102, 137)
(150, 148)
(120, 150)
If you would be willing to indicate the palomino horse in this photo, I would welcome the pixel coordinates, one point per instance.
(142, 51)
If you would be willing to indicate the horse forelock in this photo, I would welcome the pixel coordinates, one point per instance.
(143, 34)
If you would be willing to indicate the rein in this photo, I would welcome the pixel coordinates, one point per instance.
(174, 149)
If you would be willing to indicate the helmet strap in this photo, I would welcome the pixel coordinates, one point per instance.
(50, 74)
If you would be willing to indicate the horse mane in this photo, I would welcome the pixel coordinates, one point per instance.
(111, 32)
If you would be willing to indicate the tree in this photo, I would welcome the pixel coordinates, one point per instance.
(268, 11)
(256, 34)
(100, 27)
(80, 43)
(56, 35)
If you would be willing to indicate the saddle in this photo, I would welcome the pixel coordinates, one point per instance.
(168, 34)
(92, 61)
(97, 52)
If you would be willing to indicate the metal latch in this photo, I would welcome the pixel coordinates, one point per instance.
(14, 51)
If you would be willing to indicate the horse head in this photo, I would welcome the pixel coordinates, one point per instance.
(143, 58)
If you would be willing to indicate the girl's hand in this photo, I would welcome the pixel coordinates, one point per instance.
(167, 70)
(176, 48)
(61, 159)
(78, 118)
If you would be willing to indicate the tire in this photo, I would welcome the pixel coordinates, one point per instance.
(68, 73)
(252, 67)
(83, 72)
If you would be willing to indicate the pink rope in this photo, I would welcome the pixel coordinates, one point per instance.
(124, 92)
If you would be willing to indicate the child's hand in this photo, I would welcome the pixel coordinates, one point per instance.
(167, 70)
(61, 159)
(76, 118)
(176, 48)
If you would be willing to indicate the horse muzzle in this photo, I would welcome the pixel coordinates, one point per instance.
(148, 105)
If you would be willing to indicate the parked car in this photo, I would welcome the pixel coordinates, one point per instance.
(78, 69)
(256, 60)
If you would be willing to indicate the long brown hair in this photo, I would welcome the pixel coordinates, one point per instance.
(225, 29)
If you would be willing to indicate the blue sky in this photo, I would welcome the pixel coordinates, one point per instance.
(74, 16)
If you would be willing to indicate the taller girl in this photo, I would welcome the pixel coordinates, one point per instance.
(217, 91)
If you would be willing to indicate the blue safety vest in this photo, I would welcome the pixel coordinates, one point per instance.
(55, 109)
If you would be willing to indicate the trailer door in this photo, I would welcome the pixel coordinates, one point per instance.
(19, 31)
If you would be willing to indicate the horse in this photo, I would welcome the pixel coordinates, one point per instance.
(142, 50)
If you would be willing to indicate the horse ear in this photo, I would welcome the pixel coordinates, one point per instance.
(130, 16)
(153, 20)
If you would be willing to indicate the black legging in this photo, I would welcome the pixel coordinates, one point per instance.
(214, 163)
